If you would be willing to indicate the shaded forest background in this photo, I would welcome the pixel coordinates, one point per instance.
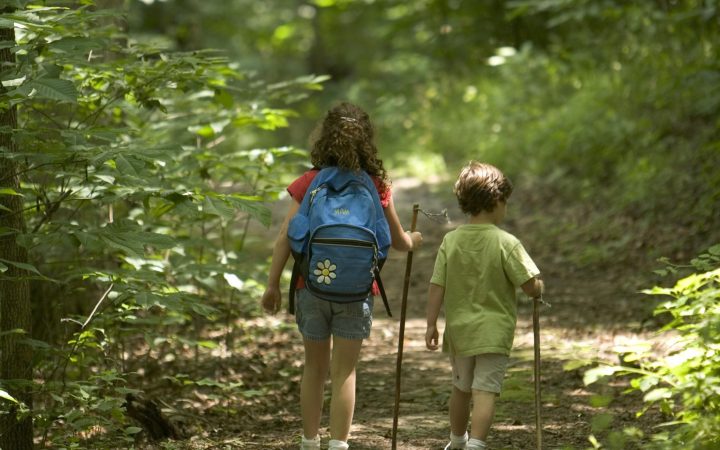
(142, 142)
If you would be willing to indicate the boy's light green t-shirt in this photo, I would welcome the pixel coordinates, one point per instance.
(481, 266)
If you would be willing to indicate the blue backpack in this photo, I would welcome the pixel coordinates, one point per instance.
(339, 238)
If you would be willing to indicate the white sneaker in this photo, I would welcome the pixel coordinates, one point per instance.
(310, 444)
(476, 444)
(335, 444)
(457, 442)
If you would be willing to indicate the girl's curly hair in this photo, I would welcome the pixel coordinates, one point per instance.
(480, 187)
(345, 139)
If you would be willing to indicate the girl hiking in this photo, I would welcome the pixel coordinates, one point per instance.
(333, 332)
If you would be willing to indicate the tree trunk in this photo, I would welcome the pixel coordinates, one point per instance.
(15, 432)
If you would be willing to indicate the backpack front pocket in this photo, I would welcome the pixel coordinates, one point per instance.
(341, 269)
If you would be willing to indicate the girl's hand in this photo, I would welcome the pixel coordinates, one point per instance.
(431, 337)
(416, 238)
(271, 300)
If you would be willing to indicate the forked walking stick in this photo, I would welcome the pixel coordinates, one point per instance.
(401, 338)
(536, 344)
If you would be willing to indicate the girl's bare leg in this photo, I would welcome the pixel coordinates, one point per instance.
(317, 362)
(345, 355)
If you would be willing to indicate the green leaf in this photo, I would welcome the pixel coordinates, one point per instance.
(119, 242)
(49, 88)
(132, 430)
(123, 166)
(253, 393)
(205, 131)
(234, 281)
(73, 44)
(148, 299)
(8, 191)
(88, 240)
(20, 265)
(600, 401)
(8, 397)
(657, 394)
(13, 331)
(109, 179)
(253, 206)
(217, 207)
(161, 207)
(157, 240)
(593, 375)
(601, 422)
(208, 344)
(210, 130)
(50, 71)
(133, 241)
(646, 382)
(209, 382)
(36, 343)
(275, 118)
(576, 364)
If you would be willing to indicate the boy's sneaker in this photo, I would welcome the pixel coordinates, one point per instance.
(475, 444)
(335, 444)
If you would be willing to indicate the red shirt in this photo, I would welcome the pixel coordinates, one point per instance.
(297, 191)
(298, 187)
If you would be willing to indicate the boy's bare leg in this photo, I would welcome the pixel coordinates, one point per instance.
(482, 414)
(345, 355)
(317, 362)
(459, 411)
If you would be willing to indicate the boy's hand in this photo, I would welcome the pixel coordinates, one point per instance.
(534, 287)
(271, 300)
(431, 337)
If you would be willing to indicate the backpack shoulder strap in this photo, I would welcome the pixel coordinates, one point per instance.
(382, 291)
(296, 244)
(293, 283)
(384, 240)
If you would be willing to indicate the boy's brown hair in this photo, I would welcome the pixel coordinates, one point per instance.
(480, 187)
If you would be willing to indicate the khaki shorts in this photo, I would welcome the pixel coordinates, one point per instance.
(480, 372)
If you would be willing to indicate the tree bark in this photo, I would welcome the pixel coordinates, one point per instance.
(15, 313)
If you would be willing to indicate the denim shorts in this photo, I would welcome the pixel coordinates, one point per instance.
(317, 319)
(480, 372)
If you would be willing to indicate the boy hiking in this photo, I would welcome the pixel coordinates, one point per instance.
(334, 322)
(477, 270)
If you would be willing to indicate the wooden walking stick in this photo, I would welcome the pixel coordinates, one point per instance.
(536, 340)
(401, 338)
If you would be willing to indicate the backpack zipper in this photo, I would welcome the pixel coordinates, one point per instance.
(314, 192)
(343, 242)
(351, 243)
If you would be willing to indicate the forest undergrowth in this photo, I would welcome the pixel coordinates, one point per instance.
(250, 397)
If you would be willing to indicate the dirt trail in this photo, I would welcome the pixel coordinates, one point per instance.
(590, 313)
